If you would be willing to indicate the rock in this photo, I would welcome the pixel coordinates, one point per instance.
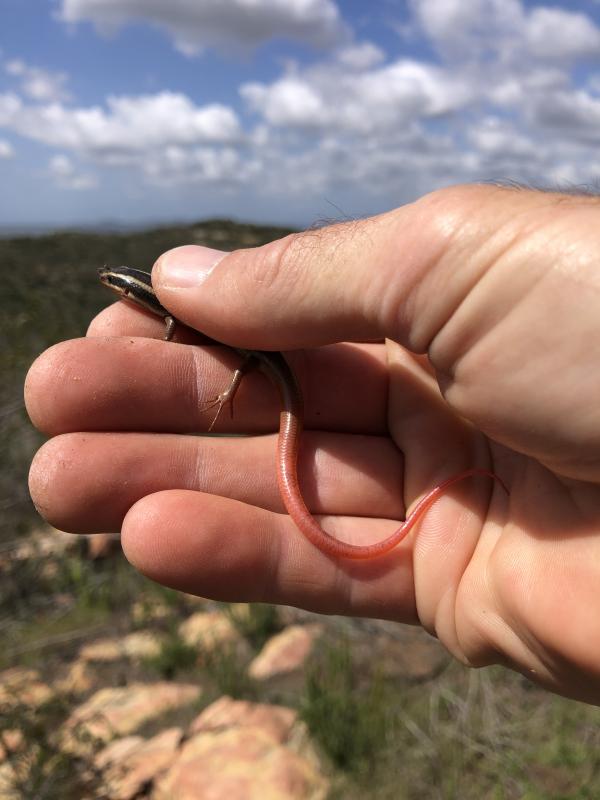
(239, 611)
(210, 631)
(44, 542)
(119, 711)
(12, 742)
(23, 685)
(136, 645)
(228, 713)
(130, 764)
(242, 750)
(9, 783)
(102, 545)
(194, 599)
(143, 611)
(118, 751)
(285, 652)
(78, 678)
(414, 655)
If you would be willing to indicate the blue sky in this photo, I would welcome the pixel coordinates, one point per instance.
(289, 111)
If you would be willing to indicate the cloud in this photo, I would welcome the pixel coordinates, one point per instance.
(128, 125)
(554, 34)
(502, 98)
(165, 136)
(6, 149)
(197, 24)
(574, 115)
(225, 167)
(67, 175)
(360, 56)
(593, 82)
(10, 105)
(288, 101)
(330, 97)
(500, 102)
(39, 84)
(467, 29)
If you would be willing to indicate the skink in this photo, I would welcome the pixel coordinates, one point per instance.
(135, 285)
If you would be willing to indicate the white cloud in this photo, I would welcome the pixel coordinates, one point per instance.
(39, 84)
(514, 89)
(165, 136)
(6, 149)
(593, 82)
(330, 98)
(574, 114)
(197, 24)
(10, 105)
(360, 56)
(288, 101)
(466, 29)
(67, 175)
(497, 138)
(128, 125)
(224, 167)
(554, 34)
(500, 104)
(500, 100)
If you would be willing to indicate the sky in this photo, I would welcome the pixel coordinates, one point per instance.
(287, 111)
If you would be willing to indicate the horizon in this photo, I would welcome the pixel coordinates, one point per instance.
(108, 226)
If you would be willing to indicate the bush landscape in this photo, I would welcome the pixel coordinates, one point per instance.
(385, 711)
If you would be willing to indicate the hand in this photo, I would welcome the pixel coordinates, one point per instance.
(489, 300)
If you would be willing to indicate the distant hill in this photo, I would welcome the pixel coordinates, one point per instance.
(108, 226)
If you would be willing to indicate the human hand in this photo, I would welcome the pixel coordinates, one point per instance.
(489, 301)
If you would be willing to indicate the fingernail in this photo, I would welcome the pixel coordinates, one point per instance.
(186, 267)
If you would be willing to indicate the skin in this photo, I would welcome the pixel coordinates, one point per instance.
(460, 331)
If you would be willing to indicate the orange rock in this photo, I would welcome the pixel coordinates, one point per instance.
(240, 762)
(9, 783)
(133, 762)
(79, 678)
(118, 751)
(136, 645)
(225, 712)
(208, 630)
(23, 685)
(103, 545)
(119, 711)
(12, 741)
(285, 652)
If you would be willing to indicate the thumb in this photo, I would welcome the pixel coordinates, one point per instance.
(391, 276)
(304, 290)
(341, 283)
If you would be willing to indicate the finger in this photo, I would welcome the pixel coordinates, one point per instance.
(226, 550)
(144, 384)
(76, 480)
(220, 548)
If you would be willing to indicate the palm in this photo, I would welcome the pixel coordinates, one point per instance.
(536, 570)
(493, 573)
